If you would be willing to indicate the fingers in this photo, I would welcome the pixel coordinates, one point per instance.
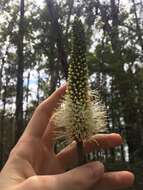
(84, 177)
(69, 157)
(104, 141)
(42, 114)
(89, 176)
(115, 180)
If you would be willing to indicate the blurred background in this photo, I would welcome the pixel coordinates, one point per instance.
(35, 44)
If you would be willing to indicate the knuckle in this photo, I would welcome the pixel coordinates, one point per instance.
(43, 107)
(38, 183)
(90, 178)
(34, 182)
(92, 173)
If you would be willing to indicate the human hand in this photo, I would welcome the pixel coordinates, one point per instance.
(33, 165)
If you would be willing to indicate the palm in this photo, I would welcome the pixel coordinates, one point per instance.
(41, 160)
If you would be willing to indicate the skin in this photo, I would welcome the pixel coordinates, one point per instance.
(33, 165)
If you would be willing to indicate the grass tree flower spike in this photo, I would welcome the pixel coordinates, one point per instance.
(80, 116)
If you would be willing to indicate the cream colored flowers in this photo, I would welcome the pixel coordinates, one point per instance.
(81, 114)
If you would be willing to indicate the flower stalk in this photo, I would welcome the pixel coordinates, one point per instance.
(79, 116)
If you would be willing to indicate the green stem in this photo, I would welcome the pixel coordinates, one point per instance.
(81, 153)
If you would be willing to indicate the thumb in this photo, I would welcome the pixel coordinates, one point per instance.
(83, 177)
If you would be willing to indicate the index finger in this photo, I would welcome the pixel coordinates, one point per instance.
(42, 114)
(68, 156)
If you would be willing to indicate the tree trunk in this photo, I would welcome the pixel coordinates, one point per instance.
(2, 119)
(54, 67)
(27, 97)
(38, 84)
(1, 72)
(57, 28)
(20, 70)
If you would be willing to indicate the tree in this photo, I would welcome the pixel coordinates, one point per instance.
(20, 70)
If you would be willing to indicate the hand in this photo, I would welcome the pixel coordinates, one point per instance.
(33, 165)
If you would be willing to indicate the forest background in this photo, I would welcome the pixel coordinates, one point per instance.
(35, 43)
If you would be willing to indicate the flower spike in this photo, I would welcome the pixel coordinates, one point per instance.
(79, 116)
